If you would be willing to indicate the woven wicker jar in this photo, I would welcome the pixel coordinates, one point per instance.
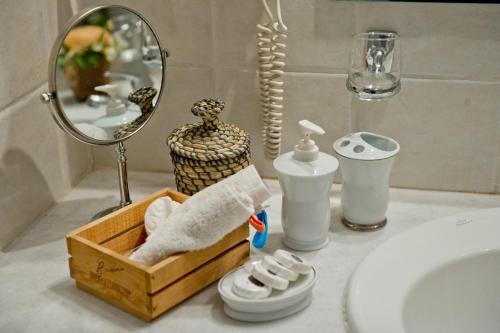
(205, 153)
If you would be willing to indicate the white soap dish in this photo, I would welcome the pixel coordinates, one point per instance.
(278, 305)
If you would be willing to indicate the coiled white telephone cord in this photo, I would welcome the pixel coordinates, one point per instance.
(271, 52)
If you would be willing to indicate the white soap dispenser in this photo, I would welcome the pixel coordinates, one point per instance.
(115, 106)
(306, 176)
(117, 113)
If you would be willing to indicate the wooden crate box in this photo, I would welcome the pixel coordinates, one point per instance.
(100, 265)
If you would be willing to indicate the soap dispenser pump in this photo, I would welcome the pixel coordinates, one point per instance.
(117, 112)
(306, 150)
(306, 176)
(115, 106)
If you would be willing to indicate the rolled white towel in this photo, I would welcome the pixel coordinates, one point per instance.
(248, 181)
(202, 220)
(272, 265)
(157, 212)
(292, 261)
(269, 278)
(247, 286)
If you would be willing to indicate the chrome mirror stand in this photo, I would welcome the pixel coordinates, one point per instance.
(121, 161)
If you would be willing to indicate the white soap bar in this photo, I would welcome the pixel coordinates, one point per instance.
(272, 265)
(247, 286)
(157, 212)
(292, 261)
(269, 278)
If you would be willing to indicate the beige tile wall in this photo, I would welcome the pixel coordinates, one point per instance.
(38, 162)
(23, 49)
(446, 117)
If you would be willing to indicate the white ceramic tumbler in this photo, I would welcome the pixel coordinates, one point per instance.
(366, 161)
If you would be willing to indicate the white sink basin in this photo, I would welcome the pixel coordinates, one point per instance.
(440, 277)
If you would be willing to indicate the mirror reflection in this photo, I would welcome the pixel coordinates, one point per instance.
(108, 74)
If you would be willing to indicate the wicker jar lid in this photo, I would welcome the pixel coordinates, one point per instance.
(210, 140)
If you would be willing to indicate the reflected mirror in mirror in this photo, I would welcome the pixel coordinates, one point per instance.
(108, 75)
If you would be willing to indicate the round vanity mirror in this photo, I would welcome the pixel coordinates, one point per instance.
(106, 76)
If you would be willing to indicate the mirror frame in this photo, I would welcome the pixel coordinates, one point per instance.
(51, 97)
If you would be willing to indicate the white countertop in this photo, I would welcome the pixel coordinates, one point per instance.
(37, 294)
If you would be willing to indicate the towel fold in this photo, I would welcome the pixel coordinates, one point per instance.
(158, 211)
(248, 181)
(206, 217)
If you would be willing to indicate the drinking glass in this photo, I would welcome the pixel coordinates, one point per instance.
(375, 65)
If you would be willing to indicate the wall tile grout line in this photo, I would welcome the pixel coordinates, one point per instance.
(4, 111)
(20, 98)
(337, 71)
(477, 80)
(213, 19)
(496, 162)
